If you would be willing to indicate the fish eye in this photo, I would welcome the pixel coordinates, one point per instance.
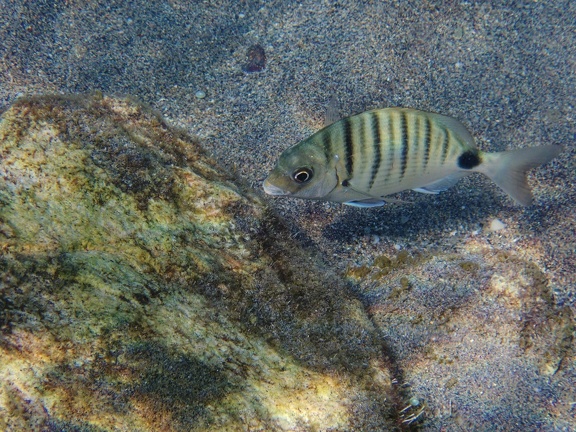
(302, 175)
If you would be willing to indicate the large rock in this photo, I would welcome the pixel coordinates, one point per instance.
(142, 290)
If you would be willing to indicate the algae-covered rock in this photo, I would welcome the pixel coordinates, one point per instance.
(142, 290)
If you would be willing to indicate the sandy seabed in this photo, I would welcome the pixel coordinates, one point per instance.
(476, 325)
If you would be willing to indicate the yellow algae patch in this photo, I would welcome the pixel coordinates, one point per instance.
(317, 402)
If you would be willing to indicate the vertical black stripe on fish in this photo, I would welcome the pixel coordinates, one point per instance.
(427, 142)
(405, 144)
(376, 143)
(348, 145)
(414, 153)
(367, 149)
(360, 143)
(445, 144)
(327, 145)
(391, 147)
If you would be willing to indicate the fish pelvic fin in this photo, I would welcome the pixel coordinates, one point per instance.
(508, 169)
(366, 203)
(375, 202)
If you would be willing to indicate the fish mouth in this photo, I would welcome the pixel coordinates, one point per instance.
(270, 189)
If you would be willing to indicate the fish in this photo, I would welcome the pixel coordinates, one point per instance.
(362, 159)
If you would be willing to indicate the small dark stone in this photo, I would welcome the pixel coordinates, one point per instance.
(345, 183)
(256, 59)
(469, 159)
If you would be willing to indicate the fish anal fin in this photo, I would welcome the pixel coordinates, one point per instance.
(442, 184)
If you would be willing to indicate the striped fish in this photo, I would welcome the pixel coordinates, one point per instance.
(360, 160)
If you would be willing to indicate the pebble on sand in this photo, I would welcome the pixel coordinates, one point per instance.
(255, 59)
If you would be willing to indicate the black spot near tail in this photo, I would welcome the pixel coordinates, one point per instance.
(469, 159)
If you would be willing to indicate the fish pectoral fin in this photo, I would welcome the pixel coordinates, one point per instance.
(442, 184)
(372, 202)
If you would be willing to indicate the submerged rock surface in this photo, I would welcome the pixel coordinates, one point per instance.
(142, 290)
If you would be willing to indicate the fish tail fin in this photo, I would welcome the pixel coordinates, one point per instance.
(508, 169)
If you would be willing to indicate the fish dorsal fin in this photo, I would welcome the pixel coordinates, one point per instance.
(332, 111)
(442, 184)
(456, 126)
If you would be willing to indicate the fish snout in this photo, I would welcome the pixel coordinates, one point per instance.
(270, 189)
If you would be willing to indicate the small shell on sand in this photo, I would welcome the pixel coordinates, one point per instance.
(496, 225)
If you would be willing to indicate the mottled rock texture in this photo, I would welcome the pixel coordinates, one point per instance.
(142, 290)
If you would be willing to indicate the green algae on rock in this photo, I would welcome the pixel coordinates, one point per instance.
(143, 290)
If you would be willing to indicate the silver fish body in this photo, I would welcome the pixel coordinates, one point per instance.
(360, 160)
